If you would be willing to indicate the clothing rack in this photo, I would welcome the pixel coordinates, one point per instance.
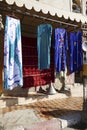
(9, 9)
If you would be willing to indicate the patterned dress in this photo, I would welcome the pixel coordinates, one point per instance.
(76, 58)
(61, 47)
(13, 76)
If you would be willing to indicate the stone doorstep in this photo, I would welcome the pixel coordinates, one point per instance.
(10, 101)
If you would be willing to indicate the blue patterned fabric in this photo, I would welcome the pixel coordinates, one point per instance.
(44, 33)
(80, 51)
(73, 52)
(61, 47)
(76, 59)
(13, 76)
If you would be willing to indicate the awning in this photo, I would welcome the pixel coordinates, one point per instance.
(37, 6)
(32, 13)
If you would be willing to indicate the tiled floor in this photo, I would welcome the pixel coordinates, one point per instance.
(51, 108)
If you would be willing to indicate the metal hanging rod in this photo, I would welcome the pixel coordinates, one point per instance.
(54, 21)
(9, 9)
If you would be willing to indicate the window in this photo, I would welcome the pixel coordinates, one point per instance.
(76, 6)
(86, 8)
(84, 47)
(84, 57)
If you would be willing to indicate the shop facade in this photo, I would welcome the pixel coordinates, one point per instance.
(31, 14)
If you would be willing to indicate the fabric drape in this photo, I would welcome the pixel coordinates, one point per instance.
(73, 52)
(80, 51)
(44, 33)
(13, 76)
(76, 58)
(61, 47)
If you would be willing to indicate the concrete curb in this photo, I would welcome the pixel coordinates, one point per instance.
(53, 124)
(70, 119)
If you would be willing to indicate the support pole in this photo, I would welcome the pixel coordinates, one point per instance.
(51, 90)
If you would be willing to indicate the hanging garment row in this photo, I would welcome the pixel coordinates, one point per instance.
(63, 45)
(68, 48)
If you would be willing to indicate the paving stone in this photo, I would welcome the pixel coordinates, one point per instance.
(53, 124)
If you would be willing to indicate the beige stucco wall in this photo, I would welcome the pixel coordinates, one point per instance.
(60, 4)
(84, 6)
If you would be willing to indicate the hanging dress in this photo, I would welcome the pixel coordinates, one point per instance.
(76, 58)
(13, 76)
(44, 33)
(61, 47)
(73, 52)
(80, 51)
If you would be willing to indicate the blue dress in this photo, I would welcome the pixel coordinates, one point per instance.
(80, 51)
(73, 52)
(44, 33)
(61, 47)
(76, 58)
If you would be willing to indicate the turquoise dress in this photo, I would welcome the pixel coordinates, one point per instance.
(44, 33)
